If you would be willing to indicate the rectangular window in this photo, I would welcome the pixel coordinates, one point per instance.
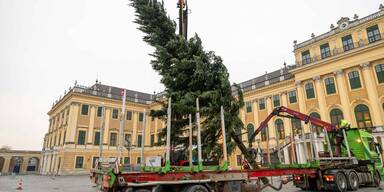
(127, 160)
(158, 137)
(94, 159)
(115, 113)
(325, 51)
(113, 139)
(309, 90)
(292, 97)
(99, 111)
(261, 103)
(152, 140)
(79, 162)
(347, 42)
(296, 126)
(97, 138)
(81, 138)
(380, 73)
(306, 57)
(141, 117)
(64, 137)
(330, 85)
(139, 140)
(276, 100)
(84, 109)
(239, 160)
(138, 160)
(354, 79)
(129, 115)
(373, 34)
(248, 106)
(127, 139)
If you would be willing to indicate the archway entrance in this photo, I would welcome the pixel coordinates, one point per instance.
(15, 165)
(33, 163)
(2, 160)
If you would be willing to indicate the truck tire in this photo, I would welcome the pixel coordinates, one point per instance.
(341, 182)
(353, 181)
(195, 188)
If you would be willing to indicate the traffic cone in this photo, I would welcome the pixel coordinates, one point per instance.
(20, 185)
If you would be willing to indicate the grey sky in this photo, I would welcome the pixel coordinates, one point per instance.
(45, 45)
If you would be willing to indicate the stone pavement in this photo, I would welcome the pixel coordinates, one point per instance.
(37, 183)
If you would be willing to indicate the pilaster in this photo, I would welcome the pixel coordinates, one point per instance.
(271, 126)
(287, 123)
(344, 98)
(72, 123)
(7, 162)
(91, 124)
(135, 126)
(373, 97)
(255, 115)
(302, 107)
(106, 125)
(321, 98)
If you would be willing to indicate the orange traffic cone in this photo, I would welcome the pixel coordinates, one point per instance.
(20, 185)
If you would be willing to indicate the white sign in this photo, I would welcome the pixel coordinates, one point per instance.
(154, 161)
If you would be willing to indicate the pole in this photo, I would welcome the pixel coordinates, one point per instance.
(200, 162)
(168, 147)
(277, 139)
(346, 144)
(101, 132)
(328, 144)
(143, 139)
(224, 138)
(268, 153)
(190, 140)
(121, 129)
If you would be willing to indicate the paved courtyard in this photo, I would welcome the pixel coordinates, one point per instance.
(37, 183)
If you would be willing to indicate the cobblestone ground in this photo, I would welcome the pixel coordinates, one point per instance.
(36, 183)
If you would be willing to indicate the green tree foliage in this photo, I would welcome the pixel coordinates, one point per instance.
(188, 72)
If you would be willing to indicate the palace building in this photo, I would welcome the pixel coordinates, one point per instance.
(337, 75)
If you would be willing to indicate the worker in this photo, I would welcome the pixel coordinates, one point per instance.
(344, 124)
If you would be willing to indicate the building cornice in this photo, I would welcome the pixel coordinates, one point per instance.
(339, 29)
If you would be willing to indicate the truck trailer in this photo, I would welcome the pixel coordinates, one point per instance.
(351, 159)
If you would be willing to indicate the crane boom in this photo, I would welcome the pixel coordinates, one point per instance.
(289, 113)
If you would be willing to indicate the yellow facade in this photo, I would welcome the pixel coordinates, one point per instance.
(339, 74)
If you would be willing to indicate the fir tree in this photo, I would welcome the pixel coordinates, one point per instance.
(188, 72)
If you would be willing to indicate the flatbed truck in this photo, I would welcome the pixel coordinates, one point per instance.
(352, 160)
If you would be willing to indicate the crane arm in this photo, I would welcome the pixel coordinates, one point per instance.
(286, 112)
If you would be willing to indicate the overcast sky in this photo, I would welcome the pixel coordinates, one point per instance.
(45, 45)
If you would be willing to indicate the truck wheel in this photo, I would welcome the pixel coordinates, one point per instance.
(376, 179)
(353, 181)
(341, 182)
(196, 188)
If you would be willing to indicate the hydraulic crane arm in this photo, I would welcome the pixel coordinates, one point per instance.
(289, 113)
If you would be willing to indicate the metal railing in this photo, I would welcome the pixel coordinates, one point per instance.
(95, 92)
(340, 50)
(252, 84)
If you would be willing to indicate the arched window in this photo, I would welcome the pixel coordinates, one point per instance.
(280, 129)
(238, 132)
(250, 130)
(336, 117)
(296, 126)
(363, 117)
(317, 128)
(264, 134)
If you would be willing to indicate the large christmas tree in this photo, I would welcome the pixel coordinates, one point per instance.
(189, 72)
